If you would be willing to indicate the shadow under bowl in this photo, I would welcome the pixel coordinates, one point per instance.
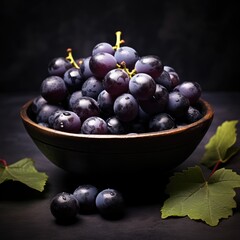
(138, 153)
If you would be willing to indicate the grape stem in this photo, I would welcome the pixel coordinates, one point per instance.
(70, 58)
(119, 41)
(4, 163)
(215, 168)
(123, 66)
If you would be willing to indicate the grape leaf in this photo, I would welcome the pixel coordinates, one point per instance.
(191, 195)
(221, 145)
(24, 171)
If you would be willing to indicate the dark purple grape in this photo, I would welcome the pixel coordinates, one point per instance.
(126, 107)
(177, 104)
(150, 65)
(193, 115)
(161, 95)
(46, 111)
(115, 126)
(103, 47)
(86, 195)
(92, 87)
(142, 86)
(64, 207)
(116, 82)
(73, 98)
(191, 90)
(105, 102)
(73, 79)
(85, 69)
(86, 107)
(101, 63)
(110, 203)
(167, 81)
(58, 66)
(174, 79)
(67, 121)
(157, 103)
(160, 122)
(127, 55)
(53, 116)
(54, 89)
(94, 125)
(37, 104)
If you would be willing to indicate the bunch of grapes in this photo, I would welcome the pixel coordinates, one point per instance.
(115, 91)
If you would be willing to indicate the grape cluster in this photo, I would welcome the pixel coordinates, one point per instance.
(87, 199)
(115, 91)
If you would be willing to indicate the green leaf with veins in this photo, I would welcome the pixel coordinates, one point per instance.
(24, 171)
(191, 195)
(221, 145)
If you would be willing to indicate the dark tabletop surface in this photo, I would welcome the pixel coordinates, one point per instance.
(25, 213)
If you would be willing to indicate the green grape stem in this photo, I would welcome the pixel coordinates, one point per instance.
(4, 163)
(124, 67)
(70, 58)
(119, 41)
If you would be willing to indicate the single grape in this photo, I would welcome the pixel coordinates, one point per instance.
(103, 47)
(116, 82)
(193, 115)
(86, 196)
(73, 98)
(53, 89)
(175, 80)
(86, 107)
(177, 104)
(53, 116)
(46, 111)
(37, 104)
(94, 125)
(115, 126)
(67, 121)
(157, 103)
(110, 203)
(166, 79)
(126, 107)
(191, 90)
(92, 87)
(85, 69)
(128, 55)
(150, 65)
(160, 122)
(105, 102)
(58, 66)
(73, 79)
(142, 86)
(64, 207)
(101, 63)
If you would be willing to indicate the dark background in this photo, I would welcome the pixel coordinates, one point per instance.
(198, 38)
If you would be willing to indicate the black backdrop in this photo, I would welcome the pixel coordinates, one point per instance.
(198, 38)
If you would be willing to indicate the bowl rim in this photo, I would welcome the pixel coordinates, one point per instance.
(208, 116)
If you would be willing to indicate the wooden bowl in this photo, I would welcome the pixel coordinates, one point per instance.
(138, 153)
